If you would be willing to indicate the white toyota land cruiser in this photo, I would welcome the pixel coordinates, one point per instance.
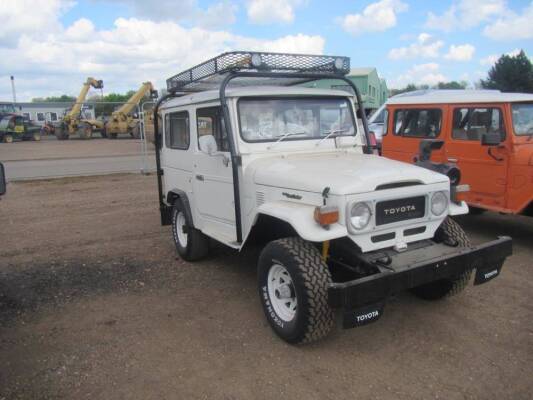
(262, 160)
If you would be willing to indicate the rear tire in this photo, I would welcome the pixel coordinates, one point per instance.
(85, 131)
(191, 244)
(293, 288)
(136, 132)
(8, 139)
(451, 233)
(61, 133)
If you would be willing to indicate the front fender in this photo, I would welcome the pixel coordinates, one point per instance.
(458, 208)
(301, 218)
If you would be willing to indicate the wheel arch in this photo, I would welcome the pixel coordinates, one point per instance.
(296, 217)
(175, 194)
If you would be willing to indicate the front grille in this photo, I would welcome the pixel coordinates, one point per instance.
(397, 210)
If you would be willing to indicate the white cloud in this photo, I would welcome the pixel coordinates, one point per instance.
(132, 51)
(420, 74)
(462, 52)
(424, 47)
(21, 16)
(465, 14)
(272, 11)
(512, 26)
(376, 17)
(215, 16)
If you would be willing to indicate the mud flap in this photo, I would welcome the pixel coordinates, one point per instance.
(362, 316)
(487, 273)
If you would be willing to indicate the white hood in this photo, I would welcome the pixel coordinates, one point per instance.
(343, 173)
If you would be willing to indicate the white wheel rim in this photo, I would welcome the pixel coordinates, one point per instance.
(281, 292)
(181, 223)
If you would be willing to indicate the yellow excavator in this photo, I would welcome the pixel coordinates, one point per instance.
(72, 122)
(122, 120)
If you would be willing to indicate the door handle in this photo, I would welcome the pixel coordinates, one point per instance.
(200, 177)
(454, 160)
(489, 151)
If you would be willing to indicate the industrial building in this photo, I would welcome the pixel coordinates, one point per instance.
(41, 112)
(373, 89)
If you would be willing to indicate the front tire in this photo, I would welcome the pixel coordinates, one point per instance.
(191, 244)
(451, 233)
(293, 287)
(8, 139)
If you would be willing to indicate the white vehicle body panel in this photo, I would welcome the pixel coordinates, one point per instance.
(286, 181)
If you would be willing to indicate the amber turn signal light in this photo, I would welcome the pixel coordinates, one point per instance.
(326, 215)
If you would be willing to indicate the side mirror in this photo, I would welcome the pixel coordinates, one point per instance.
(426, 147)
(2, 180)
(491, 139)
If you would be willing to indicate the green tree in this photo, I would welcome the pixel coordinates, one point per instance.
(511, 74)
(60, 99)
(452, 85)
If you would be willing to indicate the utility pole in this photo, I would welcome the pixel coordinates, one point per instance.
(13, 91)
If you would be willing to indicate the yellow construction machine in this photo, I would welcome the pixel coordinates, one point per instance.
(72, 122)
(122, 120)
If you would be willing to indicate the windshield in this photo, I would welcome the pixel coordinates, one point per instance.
(271, 120)
(523, 119)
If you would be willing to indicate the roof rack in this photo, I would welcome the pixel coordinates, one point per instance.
(210, 74)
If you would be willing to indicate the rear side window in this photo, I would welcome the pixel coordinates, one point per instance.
(420, 123)
(177, 132)
(472, 123)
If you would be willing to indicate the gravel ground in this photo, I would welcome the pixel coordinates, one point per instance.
(94, 303)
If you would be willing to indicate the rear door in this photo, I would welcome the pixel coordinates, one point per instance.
(408, 125)
(484, 168)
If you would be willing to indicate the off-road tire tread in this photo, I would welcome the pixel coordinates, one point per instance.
(316, 277)
(197, 242)
(450, 232)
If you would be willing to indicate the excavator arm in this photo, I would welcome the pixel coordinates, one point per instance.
(76, 108)
(132, 102)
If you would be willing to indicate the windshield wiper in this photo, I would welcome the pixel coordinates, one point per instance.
(329, 135)
(285, 135)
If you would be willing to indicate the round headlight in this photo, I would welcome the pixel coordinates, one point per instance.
(339, 63)
(257, 60)
(439, 203)
(360, 215)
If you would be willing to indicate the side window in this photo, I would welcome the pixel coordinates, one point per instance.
(40, 117)
(421, 123)
(177, 132)
(472, 123)
(385, 122)
(209, 121)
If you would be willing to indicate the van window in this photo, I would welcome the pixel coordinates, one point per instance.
(523, 119)
(209, 121)
(472, 123)
(421, 123)
(177, 133)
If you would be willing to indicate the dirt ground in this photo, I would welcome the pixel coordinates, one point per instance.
(95, 304)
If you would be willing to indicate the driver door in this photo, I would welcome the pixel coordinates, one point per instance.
(213, 178)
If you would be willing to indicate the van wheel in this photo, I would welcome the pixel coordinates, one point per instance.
(293, 288)
(451, 233)
(8, 139)
(191, 244)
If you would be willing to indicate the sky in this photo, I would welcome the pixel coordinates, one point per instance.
(52, 46)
